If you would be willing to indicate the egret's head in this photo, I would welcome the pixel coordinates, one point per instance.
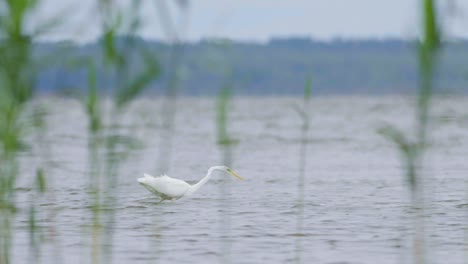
(228, 170)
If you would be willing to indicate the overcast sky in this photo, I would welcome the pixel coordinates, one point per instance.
(258, 20)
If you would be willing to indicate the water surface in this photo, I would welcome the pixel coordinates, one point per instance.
(356, 204)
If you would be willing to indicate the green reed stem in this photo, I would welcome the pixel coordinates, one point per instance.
(427, 62)
(413, 151)
(225, 142)
(16, 88)
(304, 114)
(107, 139)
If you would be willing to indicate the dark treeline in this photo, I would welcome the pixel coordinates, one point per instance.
(278, 67)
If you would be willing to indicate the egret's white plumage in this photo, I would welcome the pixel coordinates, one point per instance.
(168, 188)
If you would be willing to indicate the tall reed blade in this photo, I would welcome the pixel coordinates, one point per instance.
(225, 143)
(16, 89)
(412, 152)
(303, 112)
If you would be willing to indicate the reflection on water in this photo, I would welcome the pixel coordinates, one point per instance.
(356, 206)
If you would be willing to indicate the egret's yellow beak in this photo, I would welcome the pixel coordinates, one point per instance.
(235, 175)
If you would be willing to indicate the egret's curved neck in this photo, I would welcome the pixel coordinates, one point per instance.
(199, 184)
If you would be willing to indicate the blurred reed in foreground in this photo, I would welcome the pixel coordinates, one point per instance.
(17, 76)
(303, 112)
(109, 144)
(412, 151)
(225, 143)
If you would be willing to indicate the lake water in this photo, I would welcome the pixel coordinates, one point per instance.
(356, 203)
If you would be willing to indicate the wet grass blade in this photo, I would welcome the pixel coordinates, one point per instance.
(303, 112)
(92, 101)
(431, 30)
(308, 88)
(41, 180)
(221, 119)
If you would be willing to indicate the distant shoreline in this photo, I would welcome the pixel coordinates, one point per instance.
(279, 67)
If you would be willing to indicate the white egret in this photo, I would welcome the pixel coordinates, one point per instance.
(168, 188)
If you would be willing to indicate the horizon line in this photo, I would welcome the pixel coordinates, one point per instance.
(272, 39)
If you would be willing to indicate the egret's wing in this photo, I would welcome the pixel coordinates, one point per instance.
(165, 185)
(171, 187)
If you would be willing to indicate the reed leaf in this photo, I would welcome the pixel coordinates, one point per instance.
(222, 115)
(92, 101)
(41, 180)
(397, 137)
(431, 29)
(139, 83)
